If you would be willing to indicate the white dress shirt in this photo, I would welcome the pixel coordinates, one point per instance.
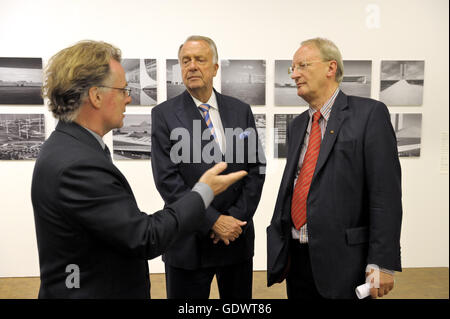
(214, 115)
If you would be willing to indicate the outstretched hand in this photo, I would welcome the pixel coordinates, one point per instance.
(220, 183)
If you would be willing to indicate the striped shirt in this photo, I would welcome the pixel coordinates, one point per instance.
(302, 234)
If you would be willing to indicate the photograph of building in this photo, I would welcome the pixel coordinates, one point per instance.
(174, 80)
(357, 78)
(133, 140)
(402, 82)
(20, 81)
(141, 78)
(21, 136)
(280, 125)
(285, 88)
(245, 80)
(408, 129)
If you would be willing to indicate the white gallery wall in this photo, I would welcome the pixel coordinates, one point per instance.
(253, 29)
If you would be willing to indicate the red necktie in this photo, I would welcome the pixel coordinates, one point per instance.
(301, 190)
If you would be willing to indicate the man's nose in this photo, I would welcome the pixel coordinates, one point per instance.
(192, 65)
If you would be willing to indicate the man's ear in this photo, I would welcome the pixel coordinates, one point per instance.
(332, 69)
(95, 97)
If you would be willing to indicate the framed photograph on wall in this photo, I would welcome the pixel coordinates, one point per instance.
(133, 139)
(357, 78)
(280, 125)
(285, 91)
(174, 80)
(21, 81)
(141, 78)
(21, 136)
(402, 82)
(408, 130)
(245, 80)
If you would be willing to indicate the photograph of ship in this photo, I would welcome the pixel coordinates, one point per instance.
(260, 122)
(20, 81)
(174, 81)
(133, 140)
(285, 88)
(245, 80)
(408, 129)
(141, 78)
(21, 136)
(357, 78)
(402, 82)
(280, 125)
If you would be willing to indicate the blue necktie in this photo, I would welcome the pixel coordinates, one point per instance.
(205, 109)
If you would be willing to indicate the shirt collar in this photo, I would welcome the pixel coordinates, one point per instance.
(325, 110)
(212, 101)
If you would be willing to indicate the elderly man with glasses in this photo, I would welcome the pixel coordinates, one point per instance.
(338, 215)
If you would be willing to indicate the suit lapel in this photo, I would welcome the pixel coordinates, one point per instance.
(337, 117)
(297, 135)
(227, 117)
(187, 112)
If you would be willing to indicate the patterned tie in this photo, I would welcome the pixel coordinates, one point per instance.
(108, 153)
(205, 109)
(301, 190)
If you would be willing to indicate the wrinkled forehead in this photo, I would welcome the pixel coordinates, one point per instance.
(197, 47)
(306, 52)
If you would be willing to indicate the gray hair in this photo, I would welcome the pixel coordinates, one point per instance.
(209, 41)
(328, 51)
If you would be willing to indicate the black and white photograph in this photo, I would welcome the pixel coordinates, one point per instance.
(174, 82)
(21, 136)
(133, 139)
(245, 80)
(141, 78)
(260, 122)
(21, 81)
(357, 78)
(280, 125)
(285, 87)
(408, 129)
(402, 82)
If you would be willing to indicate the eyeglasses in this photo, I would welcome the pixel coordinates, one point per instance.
(126, 90)
(302, 66)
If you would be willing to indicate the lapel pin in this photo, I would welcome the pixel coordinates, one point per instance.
(332, 132)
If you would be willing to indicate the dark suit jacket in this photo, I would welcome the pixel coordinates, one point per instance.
(86, 214)
(354, 208)
(173, 180)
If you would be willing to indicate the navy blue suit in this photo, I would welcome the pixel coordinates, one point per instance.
(86, 214)
(173, 180)
(354, 208)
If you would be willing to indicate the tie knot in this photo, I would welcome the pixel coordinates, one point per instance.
(204, 107)
(317, 116)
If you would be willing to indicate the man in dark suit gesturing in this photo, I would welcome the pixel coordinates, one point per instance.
(93, 240)
(338, 214)
(189, 133)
